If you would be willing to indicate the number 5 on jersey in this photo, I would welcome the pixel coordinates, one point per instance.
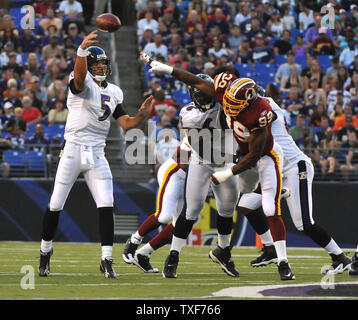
(105, 107)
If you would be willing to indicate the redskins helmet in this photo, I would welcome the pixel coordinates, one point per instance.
(97, 54)
(202, 101)
(241, 93)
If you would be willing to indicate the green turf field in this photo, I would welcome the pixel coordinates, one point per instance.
(75, 273)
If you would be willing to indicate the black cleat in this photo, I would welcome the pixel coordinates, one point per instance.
(340, 263)
(171, 265)
(353, 270)
(223, 258)
(44, 266)
(106, 268)
(285, 272)
(268, 256)
(143, 263)
(129, 251)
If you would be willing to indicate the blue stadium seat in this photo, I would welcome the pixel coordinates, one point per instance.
(325, 61)
(264, 68)
(280, 59)
(244, 69)
(294, 34)
(181, 96)
(35, 161)
(56, 130)
(16, 15)
(16, 160)
(264, 73)
(301, 60)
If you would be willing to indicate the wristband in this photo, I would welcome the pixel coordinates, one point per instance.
(222, 176)
(82, 53)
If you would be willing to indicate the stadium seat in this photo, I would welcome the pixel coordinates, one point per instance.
(35, 162)
(294, 34)
(181, 96)
(56, 130)
(301, 60)
(244, 69)
(264, 74)
(280, 59)
(16, 15)
(16, 160)
(325, 61)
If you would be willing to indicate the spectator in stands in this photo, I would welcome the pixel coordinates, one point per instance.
(275, 26)
(351, 165)
(42, 6)
(72, 18)
(30, 114)
(168, 18)
(146, 37)
(219, 20)
(262, 53)
(334, 68)
(352, 88)
(7, 115)
(243, 13)
(347, 55)
(305, 17)
(209, 69)
(38, 141)
(16, 138)
(343, 77)
(300, 131)
(17, 68)
(234, 39)
(174, 45)
(166, 146)
(37, 89)
(198, 66)
(323, 132)
(28, 42)
(283, 70)
(287, 18)
(194, 42)
(52, 50)
(313, 31)
(340, 122)
(151, 6)
(51, 30)
(58, 114)
(37, 103)
(51, 20)
(283, 46)
(320, 94)
(293, 103)
(315, 71)
(322, 45)
(217, 50)
(4, 56)
(8, 32)
(17, 121)
(299, 48)
(147, 21)
(33, 65)
(13, 96)
(172, 114)
(157, 47)
(70, 5)
(337, 96)
(73, 33)
(244, 53)
(253, 27)
(316, 115)
(171, 4)
(342, 133)
(293, 80)
(194, 22)
(54, 71)
(161, 103)
(200, 6)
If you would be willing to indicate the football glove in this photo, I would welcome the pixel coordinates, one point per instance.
(156, 66)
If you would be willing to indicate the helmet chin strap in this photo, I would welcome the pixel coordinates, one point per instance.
(98, 77)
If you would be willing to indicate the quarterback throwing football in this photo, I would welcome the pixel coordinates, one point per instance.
(91, 101)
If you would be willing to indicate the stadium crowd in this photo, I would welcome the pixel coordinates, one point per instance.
(287, 46)
(307, 61)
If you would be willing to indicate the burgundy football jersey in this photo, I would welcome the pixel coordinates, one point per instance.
(258, 115)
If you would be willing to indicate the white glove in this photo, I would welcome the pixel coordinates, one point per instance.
(221, 176)
(156, 66)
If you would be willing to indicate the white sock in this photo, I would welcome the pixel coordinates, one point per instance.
(224, 240)
(136, 238)
(177, 244)
(46, 246)
(332, 247)
(146, 250)
(266, 238)
(106, 252)
(280, 247)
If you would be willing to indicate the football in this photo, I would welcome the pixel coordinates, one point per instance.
(108, 22)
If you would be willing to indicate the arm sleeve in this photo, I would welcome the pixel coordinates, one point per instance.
(119, 111)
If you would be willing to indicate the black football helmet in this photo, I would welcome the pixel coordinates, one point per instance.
(202, 101)
(98, 54)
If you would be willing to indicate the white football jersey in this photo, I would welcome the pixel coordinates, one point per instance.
(292, 153)
(89, 114)
(193, 118)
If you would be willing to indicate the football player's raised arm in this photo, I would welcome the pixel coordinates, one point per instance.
(127, 122)
(188, 78)
(80, 69)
